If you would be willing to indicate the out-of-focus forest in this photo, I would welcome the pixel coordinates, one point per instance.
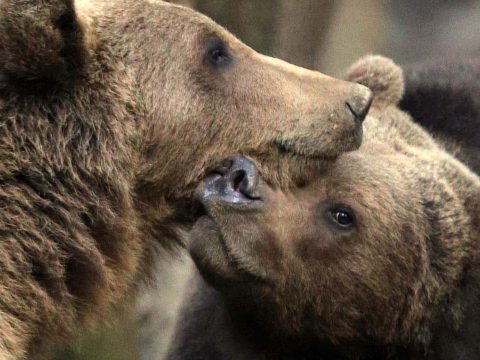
(325, 35)
(328, 35)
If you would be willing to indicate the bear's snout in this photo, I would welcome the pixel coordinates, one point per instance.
(235, 183)
(359, 103)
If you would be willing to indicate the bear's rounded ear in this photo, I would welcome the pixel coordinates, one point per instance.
(41, 45)
(382, 76)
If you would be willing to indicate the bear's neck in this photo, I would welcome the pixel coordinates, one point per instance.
(456, 334)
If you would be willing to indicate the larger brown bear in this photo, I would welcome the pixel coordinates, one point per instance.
(379, 258)
(110, 113)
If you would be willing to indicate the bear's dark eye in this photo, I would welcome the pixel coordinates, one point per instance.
(217, 54)
(343, 217)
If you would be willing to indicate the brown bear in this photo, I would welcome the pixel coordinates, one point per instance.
(378, 258)
(111, 112)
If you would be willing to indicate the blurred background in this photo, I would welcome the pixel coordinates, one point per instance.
(325, 35)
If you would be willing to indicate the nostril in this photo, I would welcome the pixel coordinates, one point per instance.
(240, 181)
(227, 163)
(359, 105)
(225, 167)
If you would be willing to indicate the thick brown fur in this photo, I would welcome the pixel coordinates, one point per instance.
(111, 112)
(401, 282)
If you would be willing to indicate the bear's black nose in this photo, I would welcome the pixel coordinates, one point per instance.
(242, 176)
(235, 182)
(359, 103)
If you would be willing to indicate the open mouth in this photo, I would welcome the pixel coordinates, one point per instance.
(284, 147)
(288, 148)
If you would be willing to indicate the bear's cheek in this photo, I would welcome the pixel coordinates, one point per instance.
(321, 247)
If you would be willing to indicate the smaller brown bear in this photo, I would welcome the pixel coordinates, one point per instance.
(377, 258)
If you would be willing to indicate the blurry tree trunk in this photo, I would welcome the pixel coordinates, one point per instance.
(300, 30)
(250, 20)
(358, 28)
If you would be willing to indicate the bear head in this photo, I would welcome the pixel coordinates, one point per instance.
(371, 253)
(185, 91)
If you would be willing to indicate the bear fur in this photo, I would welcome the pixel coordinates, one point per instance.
(444, 97)
(285, 281)
(111, 112)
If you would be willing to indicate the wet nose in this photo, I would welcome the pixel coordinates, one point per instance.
(359, 103)
(235, 182)
(242, 176)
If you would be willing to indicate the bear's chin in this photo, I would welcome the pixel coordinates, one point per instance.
(210, 253)
(212, 257)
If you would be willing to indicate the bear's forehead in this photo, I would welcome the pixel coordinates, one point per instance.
(361, 169)
(167, 12)
(360, 177)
